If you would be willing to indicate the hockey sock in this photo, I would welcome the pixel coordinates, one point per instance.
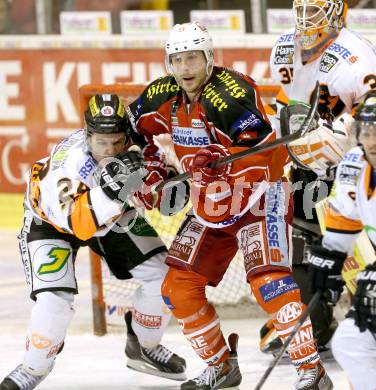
(184, 293)
(50, 318)
(279, 295)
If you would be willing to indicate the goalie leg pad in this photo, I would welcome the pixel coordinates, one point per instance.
(279, 295)
(50, 318)
(184, 293)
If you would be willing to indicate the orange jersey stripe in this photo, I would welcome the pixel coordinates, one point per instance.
(335, 221)
(82, 219)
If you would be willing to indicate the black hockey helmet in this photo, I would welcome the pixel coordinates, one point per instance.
(106, 115)
(365, 112)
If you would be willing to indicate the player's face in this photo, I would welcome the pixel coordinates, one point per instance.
(106, 145)
(367, 137)
(189, 70)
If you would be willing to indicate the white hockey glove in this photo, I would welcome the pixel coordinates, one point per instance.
(322, 147)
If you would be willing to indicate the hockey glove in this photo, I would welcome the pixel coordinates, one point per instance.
(198, 168)
(325, 268)
(122, 175)
(174, 197)
(156, 172)
(364, 300)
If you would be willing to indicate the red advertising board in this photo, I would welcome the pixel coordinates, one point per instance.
(39, 93)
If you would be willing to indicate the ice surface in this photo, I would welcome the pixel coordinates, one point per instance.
(90, 362)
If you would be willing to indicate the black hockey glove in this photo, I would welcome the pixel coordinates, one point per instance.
(364, 301)
(122, 175)
(325, 268)
(174, 197)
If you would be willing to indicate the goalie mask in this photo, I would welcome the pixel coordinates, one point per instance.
(190, 37)
(317, 23)
(365, 125)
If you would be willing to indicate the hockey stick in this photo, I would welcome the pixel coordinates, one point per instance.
(312, 303)
(257, 149)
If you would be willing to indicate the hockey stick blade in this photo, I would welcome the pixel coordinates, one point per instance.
(312, 303)
(257, 149)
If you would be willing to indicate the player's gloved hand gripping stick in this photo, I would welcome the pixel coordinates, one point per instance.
(306, 126)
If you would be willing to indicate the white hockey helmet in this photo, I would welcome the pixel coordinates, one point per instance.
(188, 37)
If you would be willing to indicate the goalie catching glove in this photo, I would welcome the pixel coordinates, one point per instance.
(324, 144)
(122, 175)
(325, 268)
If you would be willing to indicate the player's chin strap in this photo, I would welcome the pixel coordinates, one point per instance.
(312, 303)
(257, 149)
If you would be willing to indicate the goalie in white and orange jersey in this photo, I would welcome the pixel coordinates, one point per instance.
(212, 112)
(319, 48)
(78, 196)
(350, 209)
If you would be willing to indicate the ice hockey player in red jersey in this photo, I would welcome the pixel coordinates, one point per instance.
(352, 208)
(212, 112)
(78, 196)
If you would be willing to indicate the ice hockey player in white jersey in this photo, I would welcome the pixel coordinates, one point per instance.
(78, 196)
(351, 208)
(319, 48)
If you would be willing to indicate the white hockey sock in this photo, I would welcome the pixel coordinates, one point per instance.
(150, 317)
(50, 318)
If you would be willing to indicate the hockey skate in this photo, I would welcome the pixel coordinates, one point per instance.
(158, 361)
(22, 379)
(314, 378)
(223, 376)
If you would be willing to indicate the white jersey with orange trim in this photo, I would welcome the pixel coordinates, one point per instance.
(345, 71)
(63, 191)
(352, 204)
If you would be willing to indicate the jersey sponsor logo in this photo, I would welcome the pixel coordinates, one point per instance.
(353, 157)
(61, 152)
(275, 225)
(59, 257)
(251, 244)
(214, 97)
(342, 52)
(50, 262)
(284, 54)
(39, 341)
(140, 227)
(327, 62)
(231, 84)
(182, 248)
(160, 87)
(286, 38)
(278, 287)
(185, 136)
(348, 174)
(147, 320)
(247, 121)
(86, 169)
(175, 121)
(197, 123)
(289, 312)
